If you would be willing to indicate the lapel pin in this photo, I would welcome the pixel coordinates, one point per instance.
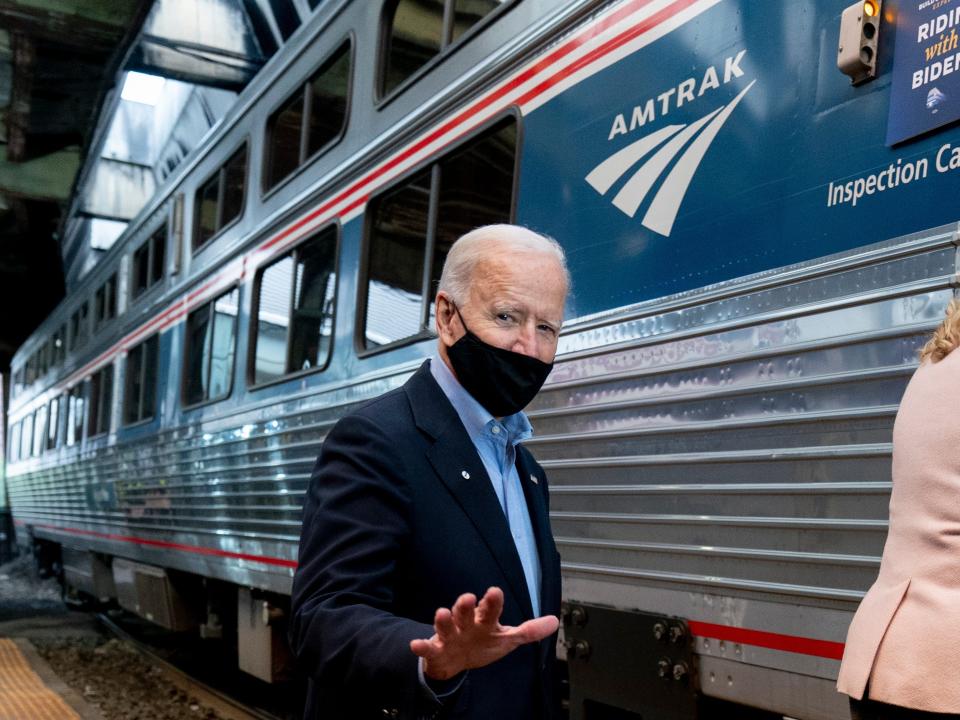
(465, 474)
(533, 478)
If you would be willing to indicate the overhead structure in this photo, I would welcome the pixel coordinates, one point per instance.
(57, 59)
(79, 156)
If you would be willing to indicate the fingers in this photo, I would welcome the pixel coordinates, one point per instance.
(427, 649)
(535, 630)
(444, 624)
(490, 607)
(463, 611)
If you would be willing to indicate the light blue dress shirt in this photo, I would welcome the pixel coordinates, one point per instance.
(496, 443)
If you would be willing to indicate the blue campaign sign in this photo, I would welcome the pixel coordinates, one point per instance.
(925, 91)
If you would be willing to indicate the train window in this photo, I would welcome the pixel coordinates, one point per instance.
(18, 376)
(53, 423)
(414, 223)
(210, 347)
(39, 429)
(26, 437)
(105, 303)
(139, 395)
(416, 31)
(78, 327)
(310, 119)
(294, 310)
(148, 262)
(58, 345)
(75, 405)
(13, 452)
(100, 401)
(43, 359)
(219, 200)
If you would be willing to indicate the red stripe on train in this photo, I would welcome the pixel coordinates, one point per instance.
(745, 636)
(774, 641)
(196, 549)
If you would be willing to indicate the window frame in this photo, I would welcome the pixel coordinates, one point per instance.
(83, 323)
(265, 191)
(80, 395)
(363, 280)
(89, 397)
(103, 315)
(220, 172)
(56, 400)
(382, 98)
(59, 351)
(124, 423)
(13, 442)
(185, 361)
(27, 422)
(40, 418)
(255, 309)
(148, 243)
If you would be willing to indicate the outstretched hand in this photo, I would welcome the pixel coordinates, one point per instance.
(469, 635)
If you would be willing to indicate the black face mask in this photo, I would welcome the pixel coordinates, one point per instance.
(504, 382)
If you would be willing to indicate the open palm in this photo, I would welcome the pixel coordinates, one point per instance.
(469, 635)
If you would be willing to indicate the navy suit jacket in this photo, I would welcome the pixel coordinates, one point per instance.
(400, 519)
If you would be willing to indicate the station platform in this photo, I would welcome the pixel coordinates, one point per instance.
(29, 689)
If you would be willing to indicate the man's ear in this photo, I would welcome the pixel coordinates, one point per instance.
(446, 327)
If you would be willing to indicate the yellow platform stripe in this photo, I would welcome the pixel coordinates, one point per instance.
(23, 696)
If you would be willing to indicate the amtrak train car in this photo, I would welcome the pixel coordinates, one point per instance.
(759, 242)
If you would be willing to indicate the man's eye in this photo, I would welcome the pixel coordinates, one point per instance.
(547, 329)
(504, 317)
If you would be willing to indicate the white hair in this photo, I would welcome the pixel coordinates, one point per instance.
(472, 248)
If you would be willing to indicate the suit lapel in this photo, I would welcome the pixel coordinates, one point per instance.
(458, 465)
(536, 507)
(540, 519)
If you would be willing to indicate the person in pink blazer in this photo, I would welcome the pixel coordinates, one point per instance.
(902, 657)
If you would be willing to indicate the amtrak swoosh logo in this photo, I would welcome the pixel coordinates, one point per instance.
(663, 209)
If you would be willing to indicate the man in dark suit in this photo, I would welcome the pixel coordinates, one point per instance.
(425, 499)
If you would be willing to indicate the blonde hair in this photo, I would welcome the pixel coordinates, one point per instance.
(945, 338)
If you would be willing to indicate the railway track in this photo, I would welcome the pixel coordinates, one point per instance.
(219, 700)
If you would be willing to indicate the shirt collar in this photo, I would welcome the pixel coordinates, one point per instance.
(475, 417)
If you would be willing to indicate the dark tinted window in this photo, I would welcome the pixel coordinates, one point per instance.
(327, 107)
(78, 327)
(396, 262)
(211, 343)
(467, 13)
(148, 262)
(219, 201)
(54, 421)
(105, 303)
(58, 345)
(309, 119)
(101, 398)
(140, 391)
(26, 437)
(294, 310)
(75, 406)
(418, 30)
(414, 36)
(39, 430)
(43, 355)
(13, 452)
(285, 128)
(413, 224)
